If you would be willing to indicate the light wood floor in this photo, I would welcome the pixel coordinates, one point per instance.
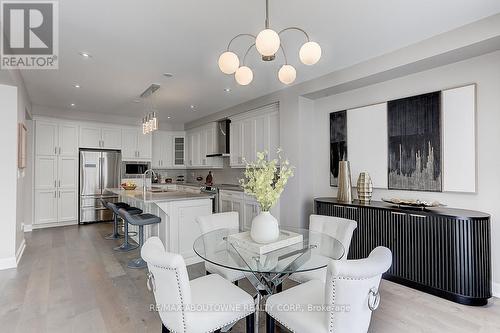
(70, 280)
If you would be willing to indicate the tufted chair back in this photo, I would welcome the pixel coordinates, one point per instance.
(168, 278)
(351, 290)
(228, 220)
(336, 227)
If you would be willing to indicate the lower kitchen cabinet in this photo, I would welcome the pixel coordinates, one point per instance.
(46, 206)
(246, 206)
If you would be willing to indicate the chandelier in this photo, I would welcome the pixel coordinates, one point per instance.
(268, 43)
(150, 122)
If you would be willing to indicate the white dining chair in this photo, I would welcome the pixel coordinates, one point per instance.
(342, 304)
(205, 304)
(227, 220)
(336, 227)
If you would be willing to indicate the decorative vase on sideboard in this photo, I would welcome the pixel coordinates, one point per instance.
(364, 187)
(265, 228)
(344, 193)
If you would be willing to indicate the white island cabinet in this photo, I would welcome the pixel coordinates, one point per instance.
(178, 211)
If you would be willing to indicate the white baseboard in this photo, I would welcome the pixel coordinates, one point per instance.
(52, 225)
(28, 227)
(6, 263)
(495, 289)
(20, 251)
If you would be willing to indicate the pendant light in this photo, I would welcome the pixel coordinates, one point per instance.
(268, 43)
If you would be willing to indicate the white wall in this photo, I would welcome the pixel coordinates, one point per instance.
(483, 70)
(8, 170)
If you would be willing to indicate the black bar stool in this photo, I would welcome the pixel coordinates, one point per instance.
(126, 246)
(139, 220)
(115, 234)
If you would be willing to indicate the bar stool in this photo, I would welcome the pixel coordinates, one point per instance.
(115, 234)
(125, 246)
(139, 220)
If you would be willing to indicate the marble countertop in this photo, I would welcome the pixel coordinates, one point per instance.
(153, 197)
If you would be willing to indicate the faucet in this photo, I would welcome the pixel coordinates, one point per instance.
(144, 187)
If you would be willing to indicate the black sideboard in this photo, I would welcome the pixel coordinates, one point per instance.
(443, 251)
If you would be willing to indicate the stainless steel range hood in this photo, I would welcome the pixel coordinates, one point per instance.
(223, 128)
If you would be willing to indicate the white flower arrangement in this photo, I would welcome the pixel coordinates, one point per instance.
(266, 180)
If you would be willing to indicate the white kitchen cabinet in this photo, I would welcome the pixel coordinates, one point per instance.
(246, 206)
(100, 137)
(46, 206)
(161, 143)
(56, 171)
(232, 201)
(136, 145)
(179, 151)
(90, 137)
(46, 172)
(201, 142)
(46, 138)
(52, 138)
(253, 132)
(68, 140)
(67, 205)
(111, 138)
(67, 173)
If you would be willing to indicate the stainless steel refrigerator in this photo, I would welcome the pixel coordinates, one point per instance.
(99, 170)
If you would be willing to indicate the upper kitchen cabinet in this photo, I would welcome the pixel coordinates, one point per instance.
(136, 145)
(252, 132)
(100, 137)
(168, 150)
(53, 138)
(202, 141)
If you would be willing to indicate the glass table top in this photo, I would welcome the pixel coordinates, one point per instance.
(313, 250)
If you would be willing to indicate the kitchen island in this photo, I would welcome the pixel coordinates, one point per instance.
(178, 210)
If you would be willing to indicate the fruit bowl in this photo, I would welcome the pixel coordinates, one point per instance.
(129, 187)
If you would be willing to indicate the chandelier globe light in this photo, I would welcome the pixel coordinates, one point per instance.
(268, 44)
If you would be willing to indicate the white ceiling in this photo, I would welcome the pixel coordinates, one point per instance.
(134, 42)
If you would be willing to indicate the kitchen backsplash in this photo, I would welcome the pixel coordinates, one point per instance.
(226, 175)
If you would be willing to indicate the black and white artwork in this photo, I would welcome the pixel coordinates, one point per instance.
(338, 143)
(414, 129)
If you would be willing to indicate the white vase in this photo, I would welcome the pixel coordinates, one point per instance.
(265, 228)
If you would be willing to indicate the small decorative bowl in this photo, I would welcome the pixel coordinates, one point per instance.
(129, 188)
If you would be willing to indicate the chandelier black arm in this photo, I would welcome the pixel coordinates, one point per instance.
(284, 54)
(246, 53)
(295, 28)
(237, 36)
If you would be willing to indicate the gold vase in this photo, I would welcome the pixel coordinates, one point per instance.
(344, 193)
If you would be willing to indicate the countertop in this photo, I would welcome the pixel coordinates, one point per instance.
(227, 187)
(153, 197)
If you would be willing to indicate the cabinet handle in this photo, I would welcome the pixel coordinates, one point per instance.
(337, 206)
(55, 194)
(419, 216)
(55, 150)
(398, 213)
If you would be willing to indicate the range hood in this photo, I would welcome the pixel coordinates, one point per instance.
(222, 139)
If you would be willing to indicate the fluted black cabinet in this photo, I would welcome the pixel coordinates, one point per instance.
(442, 251)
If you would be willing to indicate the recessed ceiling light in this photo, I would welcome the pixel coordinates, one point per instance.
(227, 90)
(192, 107)
(168, 117)
(137, 100)
(169, 75)
(72, 105)
(85, 54)
(76, 85)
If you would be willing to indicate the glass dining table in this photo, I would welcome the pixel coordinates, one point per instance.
(266, 271)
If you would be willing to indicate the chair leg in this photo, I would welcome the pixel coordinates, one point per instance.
(164, 329)
(269, 324)
(279, 288)
(250, 320)
(115, 234)
(126, 246)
